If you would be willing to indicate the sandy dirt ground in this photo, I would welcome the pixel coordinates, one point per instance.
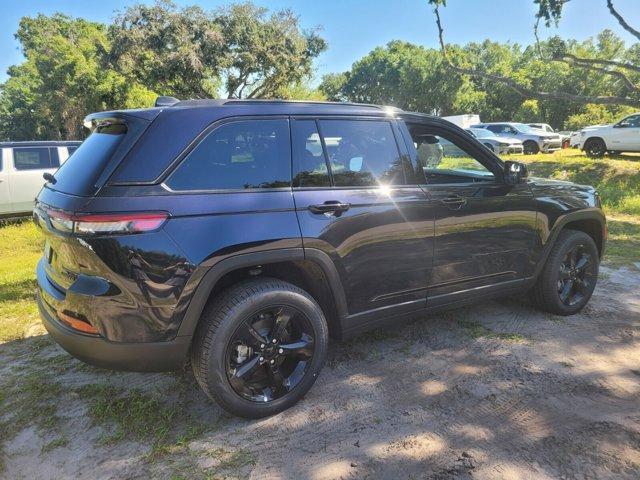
(495, 391)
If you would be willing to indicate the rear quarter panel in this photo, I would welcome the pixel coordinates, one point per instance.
(158, 273)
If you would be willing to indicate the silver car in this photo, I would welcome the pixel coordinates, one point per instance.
(498, 145)
(533, 140)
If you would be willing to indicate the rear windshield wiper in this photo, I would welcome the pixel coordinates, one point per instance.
(49, 178)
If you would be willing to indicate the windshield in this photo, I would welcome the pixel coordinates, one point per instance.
(482, 133)
(522, 127)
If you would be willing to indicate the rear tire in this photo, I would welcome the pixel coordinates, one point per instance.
(595, 148)
(569, 276)
(530, 147)
(253, 359)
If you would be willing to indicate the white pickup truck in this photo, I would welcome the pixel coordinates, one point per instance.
(623, 136)
(22, 165)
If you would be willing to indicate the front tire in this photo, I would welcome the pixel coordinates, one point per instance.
(569, 276)
(531, 147)
(259, 347)
(595, 148)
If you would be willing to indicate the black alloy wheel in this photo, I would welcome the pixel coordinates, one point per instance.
(576, 275)
(595, 148)
(259, 347)
(270, 353)
(569, 276)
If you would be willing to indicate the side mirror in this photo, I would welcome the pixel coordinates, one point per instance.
(515, 172)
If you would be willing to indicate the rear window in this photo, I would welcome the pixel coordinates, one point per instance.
(35, 158)
(238, 155)
(81, 170)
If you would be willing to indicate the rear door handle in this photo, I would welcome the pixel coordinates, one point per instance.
(330, 206)
(454, 201)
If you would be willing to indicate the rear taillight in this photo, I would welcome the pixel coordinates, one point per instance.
(118, 223)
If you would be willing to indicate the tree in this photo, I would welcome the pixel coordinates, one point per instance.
(192, 53)
(173, 52)
(265, 53)
(404, 75)
(623, 68)
(62, 79)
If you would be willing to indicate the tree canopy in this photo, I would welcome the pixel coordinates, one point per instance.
(73, 66)
(417, 78)
(619, 67)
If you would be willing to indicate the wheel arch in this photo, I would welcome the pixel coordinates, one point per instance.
(310, 269)
(590, 221)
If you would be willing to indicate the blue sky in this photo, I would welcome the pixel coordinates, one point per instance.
(354, 27)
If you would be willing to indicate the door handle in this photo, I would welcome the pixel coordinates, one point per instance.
(454, 201)
(334, 207)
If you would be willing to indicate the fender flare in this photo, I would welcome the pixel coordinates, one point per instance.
(561, 222)
(217, 271)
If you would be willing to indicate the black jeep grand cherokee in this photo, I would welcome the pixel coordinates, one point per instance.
(241, 234)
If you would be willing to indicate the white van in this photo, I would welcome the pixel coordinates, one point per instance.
(22, 165)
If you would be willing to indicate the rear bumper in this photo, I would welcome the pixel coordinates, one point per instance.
(95, 350)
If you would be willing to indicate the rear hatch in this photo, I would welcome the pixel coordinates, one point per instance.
(112, 136)
(61, 207)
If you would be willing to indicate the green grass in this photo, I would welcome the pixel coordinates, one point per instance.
(475, 330)
(20, 249)
(140, 416)
(30, 397)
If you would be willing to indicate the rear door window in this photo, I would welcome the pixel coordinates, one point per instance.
(239, 155)
(362, 153)
(31, 158)
(309, 163)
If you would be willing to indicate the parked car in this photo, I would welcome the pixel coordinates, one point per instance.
(574, 139)
(498, 145)
(242, 234)
(533, 140)
(623, 136)
(22, 165)
(545, 127)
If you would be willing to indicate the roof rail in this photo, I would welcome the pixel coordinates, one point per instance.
(310, 102)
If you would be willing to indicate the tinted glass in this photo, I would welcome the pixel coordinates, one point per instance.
(631, 122)
(71, 150)
(31, 158)
(362, 153)
(79, 172)
(310, 166)
(55, 159)
(443, 161)
(499, 128)
(238, 155)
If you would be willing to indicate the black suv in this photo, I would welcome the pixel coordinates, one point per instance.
(242, 234)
